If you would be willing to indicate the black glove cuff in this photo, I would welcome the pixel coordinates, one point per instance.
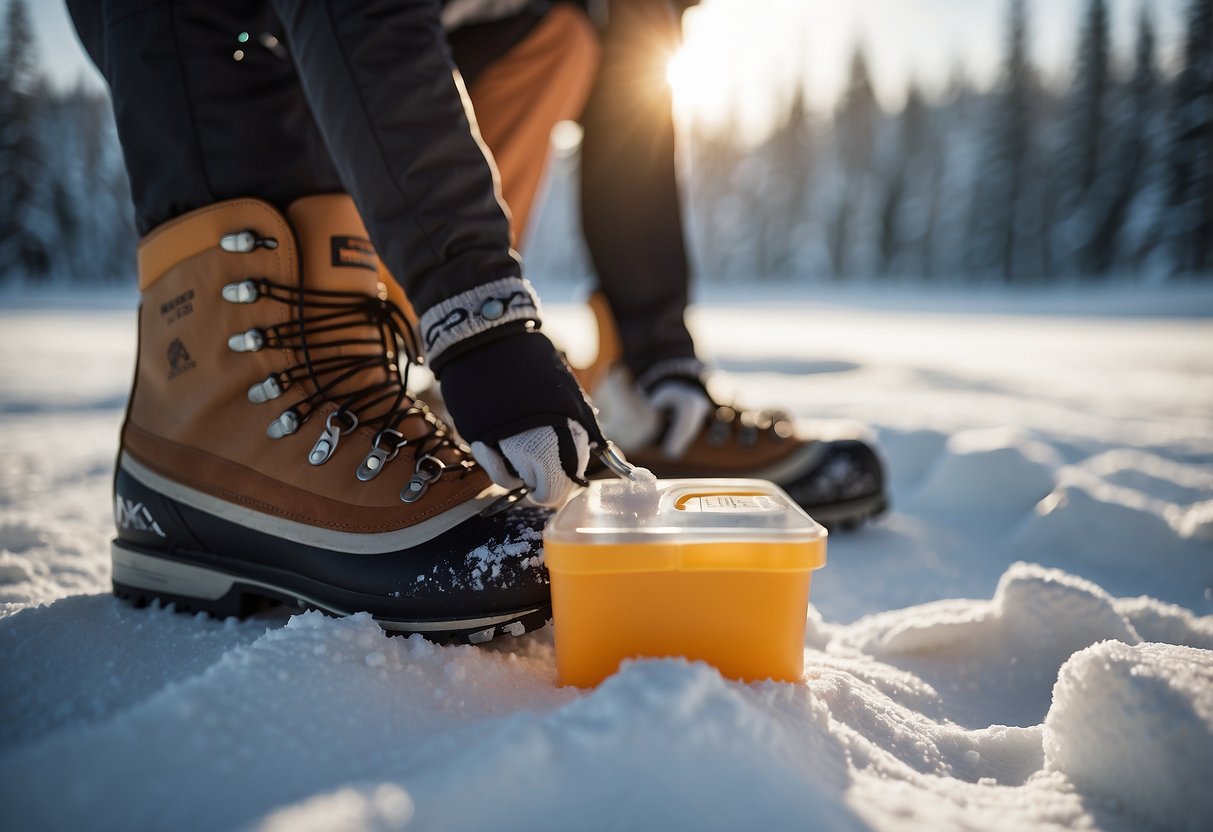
(513, 383)
(475, 314)
(691, 370)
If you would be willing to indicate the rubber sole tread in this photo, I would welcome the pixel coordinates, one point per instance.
(242, 602)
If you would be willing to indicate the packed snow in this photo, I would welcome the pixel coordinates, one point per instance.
(1026, 640)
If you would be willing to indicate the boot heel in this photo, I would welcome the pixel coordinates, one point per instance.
(142, 577)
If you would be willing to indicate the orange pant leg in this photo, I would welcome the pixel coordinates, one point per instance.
(542, 80)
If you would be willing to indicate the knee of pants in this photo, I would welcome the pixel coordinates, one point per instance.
(571, 41)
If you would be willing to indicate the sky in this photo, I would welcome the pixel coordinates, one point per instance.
(743, 54)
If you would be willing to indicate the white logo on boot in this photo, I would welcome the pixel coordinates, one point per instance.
(129, 514)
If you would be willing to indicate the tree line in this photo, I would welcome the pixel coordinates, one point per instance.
(65, 209)
(1109, 177)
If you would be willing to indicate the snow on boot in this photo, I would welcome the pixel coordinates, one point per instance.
(270, 450)
(673, 427)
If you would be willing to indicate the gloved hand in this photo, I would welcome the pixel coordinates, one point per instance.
(528, 421)
(685, 404)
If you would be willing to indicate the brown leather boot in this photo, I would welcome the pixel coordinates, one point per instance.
(270, 450)
(839, 481)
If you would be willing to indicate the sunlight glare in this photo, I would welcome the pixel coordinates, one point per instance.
(723, 75)
(700, 91)
(677, 73)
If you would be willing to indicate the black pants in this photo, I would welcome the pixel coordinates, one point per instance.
(210, 105)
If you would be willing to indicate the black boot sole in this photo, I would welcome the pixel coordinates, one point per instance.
(143, 577)
(200, 554)
(851, 514)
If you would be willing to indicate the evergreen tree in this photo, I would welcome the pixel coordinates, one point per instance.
(910, 191)
(1081, 180)
(1190, 154)
(856, 119)
(855, 126)
(718, 224)
(1090, 96)
(1001, 231)
(961, 146)
(1125, 189)
(26, 226)
(780, 202)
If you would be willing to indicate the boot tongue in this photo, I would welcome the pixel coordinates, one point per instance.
(335, 252)
(336, 255)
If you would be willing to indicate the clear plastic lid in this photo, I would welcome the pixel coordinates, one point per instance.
(682, 511)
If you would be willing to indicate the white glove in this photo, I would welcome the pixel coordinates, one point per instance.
(687, 406)
(551, 462)
(672, 412)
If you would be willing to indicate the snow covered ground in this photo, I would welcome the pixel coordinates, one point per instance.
(1025, 641)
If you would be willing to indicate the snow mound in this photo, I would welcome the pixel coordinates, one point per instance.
(304, 709)
(995, 662)
(1151, 474)
(1106, 530)
(911, 453)
(1195, 522)
(121, 650)
(1169, 623)
(19, 536)
(879, 713)
(923, 716)
(661, 745)
(1051, 609)
(1132, 726)
(991, 468)
(1130, 514)
(369, 809)
(14, 570)
(1123, 501)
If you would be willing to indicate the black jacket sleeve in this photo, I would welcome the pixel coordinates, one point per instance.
(392, 109)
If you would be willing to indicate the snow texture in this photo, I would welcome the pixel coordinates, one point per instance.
(1156, 762)
(1025, 641)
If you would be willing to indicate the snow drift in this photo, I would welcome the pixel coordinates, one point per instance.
(1026, 641)
(1133, 727)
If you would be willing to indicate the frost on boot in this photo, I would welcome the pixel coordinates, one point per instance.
(271, 451)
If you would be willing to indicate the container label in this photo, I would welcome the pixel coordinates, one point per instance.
(731, 504)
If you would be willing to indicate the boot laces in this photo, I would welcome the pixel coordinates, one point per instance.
(356, 350)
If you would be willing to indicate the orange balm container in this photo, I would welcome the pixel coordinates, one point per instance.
(717, 570)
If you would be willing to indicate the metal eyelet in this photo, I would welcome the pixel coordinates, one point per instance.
(251, 340)
(421, 479)
(245, 291)
(326, 445)
(243, 242)
(265, 390)
(782, 430)
(378, 457)
(286, 424)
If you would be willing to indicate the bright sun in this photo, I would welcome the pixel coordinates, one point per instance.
(716, 63)
(697, 96)
(678, 74)
(736, 67)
